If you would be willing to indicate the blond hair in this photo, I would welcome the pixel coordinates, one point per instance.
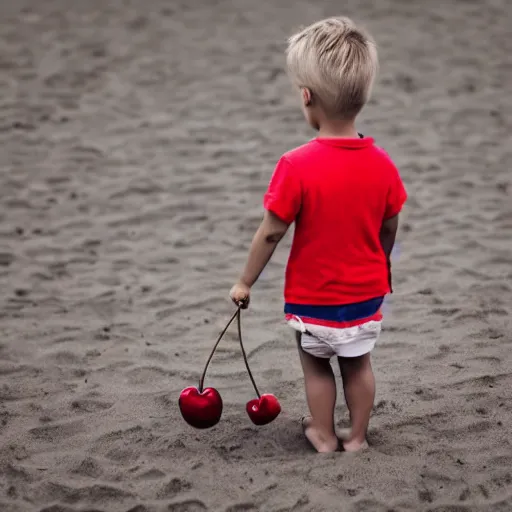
(337, 61)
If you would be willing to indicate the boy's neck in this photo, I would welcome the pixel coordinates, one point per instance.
(338, 129)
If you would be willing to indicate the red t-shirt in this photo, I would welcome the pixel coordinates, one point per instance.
(338, 192)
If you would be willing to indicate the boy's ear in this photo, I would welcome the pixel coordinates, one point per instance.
(306, 96)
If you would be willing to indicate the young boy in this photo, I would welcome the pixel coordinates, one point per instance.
(344, 195)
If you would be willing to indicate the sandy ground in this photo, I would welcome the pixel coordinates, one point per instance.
(137, 140)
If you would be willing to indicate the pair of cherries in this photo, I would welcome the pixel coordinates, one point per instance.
(202, 407)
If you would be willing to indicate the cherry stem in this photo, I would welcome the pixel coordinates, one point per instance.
(201, 382)
(239, 322)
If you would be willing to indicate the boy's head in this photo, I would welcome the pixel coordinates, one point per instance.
(334, 63)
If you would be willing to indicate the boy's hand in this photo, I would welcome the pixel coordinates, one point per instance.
(240, 294)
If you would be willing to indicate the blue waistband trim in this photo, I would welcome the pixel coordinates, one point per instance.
(344, 313)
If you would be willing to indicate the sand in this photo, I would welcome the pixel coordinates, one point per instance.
(137, 140)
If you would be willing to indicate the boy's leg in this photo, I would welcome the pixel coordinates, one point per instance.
(320, 387)
(359, 387)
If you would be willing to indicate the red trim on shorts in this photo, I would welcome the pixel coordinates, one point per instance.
(377, 317)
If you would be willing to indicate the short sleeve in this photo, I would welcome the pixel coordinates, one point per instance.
(397, 195)
(284, 194)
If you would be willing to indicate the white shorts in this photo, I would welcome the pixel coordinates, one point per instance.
(326, 342)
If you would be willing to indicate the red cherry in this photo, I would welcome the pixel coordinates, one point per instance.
(200, 409)
(263, 410)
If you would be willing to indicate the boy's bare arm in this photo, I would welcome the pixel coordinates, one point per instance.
(387, 240)
(264, 243)
(388, 234)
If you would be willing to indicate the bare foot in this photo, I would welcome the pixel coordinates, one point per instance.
(354, 445)
(349, 444)
(320, 442)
